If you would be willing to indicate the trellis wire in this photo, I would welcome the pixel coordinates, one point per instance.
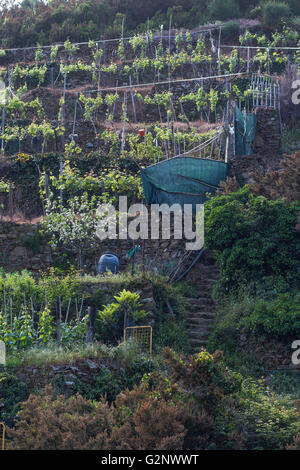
(166, 82)
(105, 41)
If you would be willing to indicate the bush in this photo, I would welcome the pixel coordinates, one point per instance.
(255, 241)
(230, 31)
(172, 333)
(12, 392)
(200, 405)
(112, 319)
(269, 423)
(280, 318)
(47, 422)
(255, 12)
(50, 422)
(274, 12)
(220, 10)
(294, 6)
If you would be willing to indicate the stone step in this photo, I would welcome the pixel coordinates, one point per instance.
(201, 308)
(201, 314)
(199, 300)
(201, 333)
(204, 284)
(201, 321)
(198, 342)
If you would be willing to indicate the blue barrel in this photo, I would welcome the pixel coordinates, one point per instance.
(108, 262)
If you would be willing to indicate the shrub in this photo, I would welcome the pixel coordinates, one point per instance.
(280, 318)
(294, 6)
(280, 184)
(12, 392)
(268, 422)
(230, 31)
(114, 317)
(172, 333)
(256, 243)
(274, 12)
(200, 405)
(155, 425)
(49, 422)
(221, 10)
(255, 12)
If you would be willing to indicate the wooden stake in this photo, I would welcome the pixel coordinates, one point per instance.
(58, 325)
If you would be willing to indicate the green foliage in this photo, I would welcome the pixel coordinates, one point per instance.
(172, 333)
(230, 32)
(200, 404)
(73, 226)
(279, 318)
(22, 332)
(110, 382)
(221, 10)
(271, 422)
(90, 105)
(12, 392)
(33, 241)
(113, 317)
(274, 12)
(255, 241)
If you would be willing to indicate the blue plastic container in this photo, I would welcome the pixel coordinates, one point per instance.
(108, 263)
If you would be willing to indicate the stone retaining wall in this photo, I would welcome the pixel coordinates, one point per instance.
(18, 252)
(268, 131)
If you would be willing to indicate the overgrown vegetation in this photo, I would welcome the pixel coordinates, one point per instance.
(256, 243)
(186, 409)
(72, 137)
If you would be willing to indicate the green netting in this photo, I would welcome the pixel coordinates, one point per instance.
(183, 180)
(245, 125)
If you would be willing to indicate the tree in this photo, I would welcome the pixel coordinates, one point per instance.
(74, 226)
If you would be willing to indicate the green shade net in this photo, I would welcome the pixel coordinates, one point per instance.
(182, 180)
(245, 125)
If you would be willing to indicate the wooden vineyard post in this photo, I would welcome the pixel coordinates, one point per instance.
(47, 185)
(91, 324)
(124, 122)
(3, 129)
(58, 325)
(10, 202)
(132, 99)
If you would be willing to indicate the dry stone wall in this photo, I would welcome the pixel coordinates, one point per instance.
(268, 131)
(18, 251)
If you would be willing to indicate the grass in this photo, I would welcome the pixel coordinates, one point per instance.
(51, 355)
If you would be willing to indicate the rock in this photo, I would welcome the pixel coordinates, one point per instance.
(70, 380)
(91, 364)
(69, 384)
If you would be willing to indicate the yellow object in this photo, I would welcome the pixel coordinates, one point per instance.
(2, 429)
(143, 336)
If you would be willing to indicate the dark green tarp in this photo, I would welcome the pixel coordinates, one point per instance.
(182, 180)
(245, 125)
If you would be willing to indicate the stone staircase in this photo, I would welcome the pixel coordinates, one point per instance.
(201, 307)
